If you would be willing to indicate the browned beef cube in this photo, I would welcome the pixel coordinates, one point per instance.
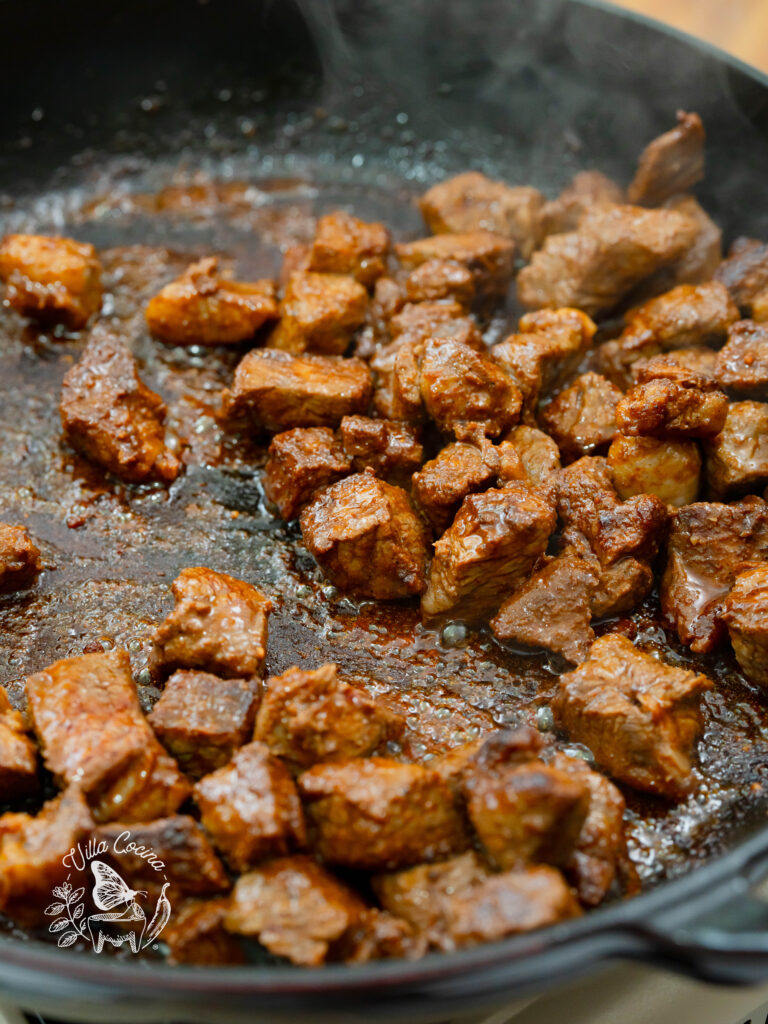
(650, 465)
(295, 908)
(300, 462)
(699, 262)
(18, 754)
(737, 459)
(378, 935)
(672, 163)
(196, 935)
(760, 307)
(251, 808)
(489, 257)
(587, 189)
(444, 482)
(20, 562)
(440, 279)
(745, 272)
(551, 609)
(742, 363)
(86, 714)
(746, 614)
(538, 453)
(202, 720)
(307, 717)
(492, 545)
(672, 401)
(295, 260)
(398, 381)
(621, 586)
(375, 814)
(319, 313)
(388, 299)
(639, 716)
(420, 321)
(367, 538)
(202, 308)
(346, 245)
(471, 202)
(111, 417)
(277, 390)
(219, 625)
(582, 419)
(614, 249)
(51, 278)
(392, 449)
(687, 315)
(698, 360)
(33, 856)
(707, 543)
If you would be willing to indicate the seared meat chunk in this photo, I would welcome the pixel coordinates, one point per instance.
(195, 935)
(670, 469)
(737, 459)
(672, 163)
(538, 453)
(18, 755)
(471, 202)
(698, 360)
(344, 244)
(295, 908)
(587, 189)
(672, 401)
(202, 720)
(699, 262)
(202, 308)
(92, 732)
(440, 279)
(111, 417)
(219, 625)
(277, 390)
(295, 260)
(491, 546)
(392, 449)
(300, 462)
(420, 321)
(250, 808)
(746, 615)
(745, 273)
(742, 363)
(378, 935)
(367, 538)
(20, 562)
(308, 717)
(640, 717)
(614, 248)
(53, 279)
(687, 315)
(582, 419)
(398, 381)
(33, 855)
(489, 257)
(319, 313)
(707, 543)
(375, 814)
(444, 482)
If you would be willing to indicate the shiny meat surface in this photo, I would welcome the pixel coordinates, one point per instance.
(582, 419)
(299, 463)
(742, 363)
(20, 562)
(344, 244)
(319, 313)
(488, 257)
(746, 615)
(672, 163)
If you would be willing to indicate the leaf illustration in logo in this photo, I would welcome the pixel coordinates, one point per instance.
(59, 925)
(110, 890)
(55, 909)
(78, 912)
(77, 895)
(67, 939)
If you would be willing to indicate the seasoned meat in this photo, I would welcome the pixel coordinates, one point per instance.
(707, 543)
(250, 808)
(685, 316)
(639, 716)
(392, 449)
(672, 401)
(621, 586)
(670, 469)
(539, 454)
(742, 363)
(19, 776)
(737, 459)
(195, 934)
(308, 717)
(277, 390)
(295, 259)
(92, 732)
(457, 470)
(587, 189)
(471, 202)
(344, 244)
(420, 321)
(295, 908)
(51, 279)
(319, 313)
(698, 360)
(202, 720)
(745, 273)
(388, 299)
(614, 248)
(20, 562)
(398, 381)
(219, 625)
(375, 814)
(699, 262)
(203, 308)
(551, 609)
(492, 545)
(33, 852)
(111, 417)
(582, 419)
(440, 279)
(672, 163)
(379, 935)
(367, 538)
(745, 611)
(299, 463)
(489, 257)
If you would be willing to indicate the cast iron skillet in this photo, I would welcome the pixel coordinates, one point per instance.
(410, 88)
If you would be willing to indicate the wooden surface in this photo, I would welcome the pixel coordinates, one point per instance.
(739, 26)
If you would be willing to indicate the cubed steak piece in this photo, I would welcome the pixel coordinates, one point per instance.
(92, 732)
(582, 419)
(699, 262)
(745, 273)
(111, 417)
(685, 316)
(19, 777)
(300, 462)
(196, 935)
(343, 244)
(737, 459)
(295, 908)
(219, 625)
(398, 381)
(276, 390)
(472, 202)
(203, 308)
(746, 615)
(202, 720)
(295, 259)
(319, 313)
(308, 717)
(392, 449)
(250, 808)
(367, 538)
(639, 716)
(20, 562)
(698, 359)
(51, 279)
(491, 547)
(707, 543)
(672, 163)
(436, 280)
(671, 470)
(742, 363)
(539, 454)
(375, 814)
(34, 852)
(457, 470)
(446, 320)
(489, 257)
(672, 401)
(379, 935)
(586, 189)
